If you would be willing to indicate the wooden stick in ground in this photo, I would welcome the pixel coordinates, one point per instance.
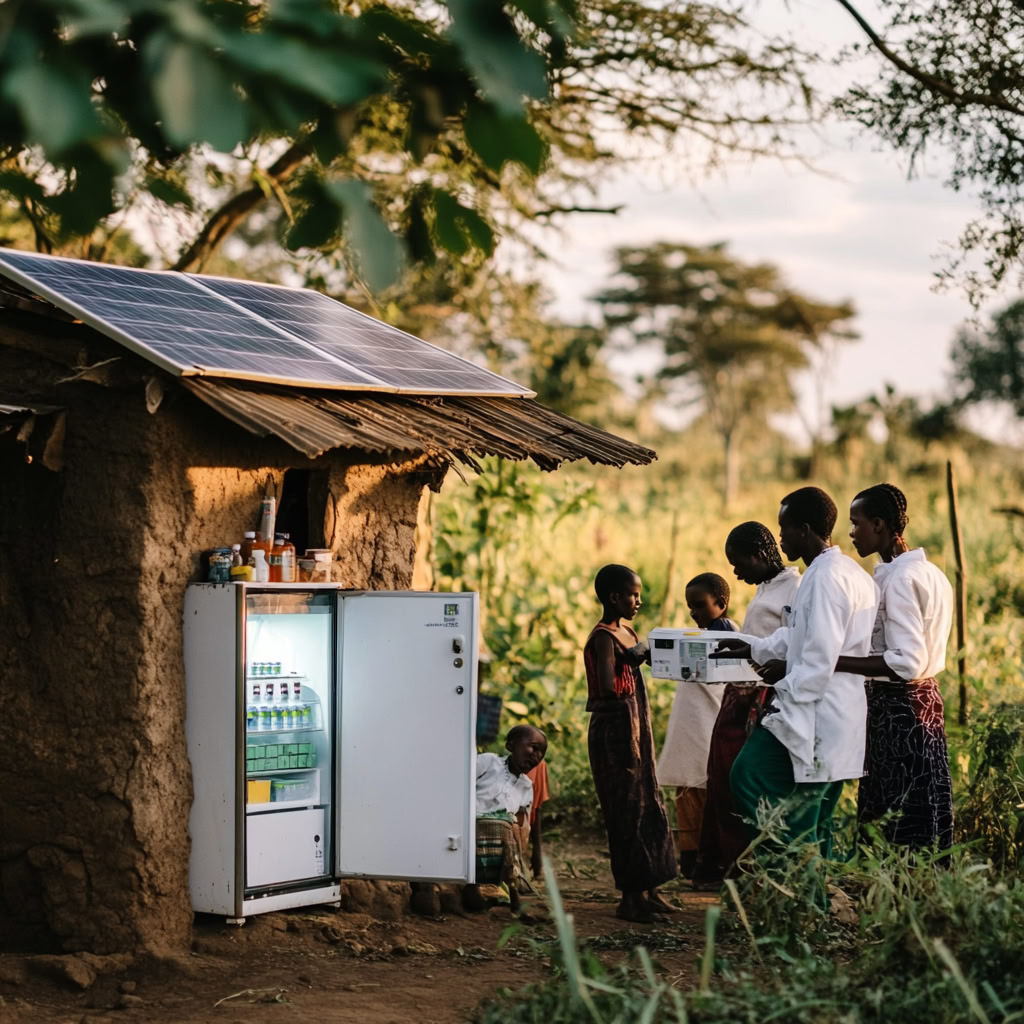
(961, 593)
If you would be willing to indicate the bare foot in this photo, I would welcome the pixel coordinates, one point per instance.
(658, 903)
(634, 908)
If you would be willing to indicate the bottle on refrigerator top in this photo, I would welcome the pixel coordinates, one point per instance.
(268, 517)
(260, 570)
(289, 568)
(276, 559)
(245, 549)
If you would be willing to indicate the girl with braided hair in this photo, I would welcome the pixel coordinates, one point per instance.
(754, 556)
(907, 782)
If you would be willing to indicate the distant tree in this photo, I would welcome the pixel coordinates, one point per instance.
(951, 79)
(732, 334)
(850, 432)
(898, 413)
(989, 363)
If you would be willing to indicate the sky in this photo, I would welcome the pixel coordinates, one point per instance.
(855, 227)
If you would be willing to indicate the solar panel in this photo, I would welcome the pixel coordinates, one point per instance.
(411, 365)
(194, 325)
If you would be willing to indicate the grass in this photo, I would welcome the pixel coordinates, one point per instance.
(901, 939)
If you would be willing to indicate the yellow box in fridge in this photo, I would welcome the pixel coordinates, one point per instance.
(257, 791)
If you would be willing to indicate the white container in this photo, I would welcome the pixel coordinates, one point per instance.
(260, 569)
(682, 654)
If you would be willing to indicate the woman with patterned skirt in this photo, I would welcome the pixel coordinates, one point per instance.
(621, 746)
(907, 786)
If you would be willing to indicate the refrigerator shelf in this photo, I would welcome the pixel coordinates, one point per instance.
(256, 733)
(280, 771)
(280, 805)
(271, 679)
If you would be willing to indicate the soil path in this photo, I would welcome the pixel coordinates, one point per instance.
(330, 966)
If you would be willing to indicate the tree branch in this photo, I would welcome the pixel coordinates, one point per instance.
(936, 85)
(552, 211)
(225, 219)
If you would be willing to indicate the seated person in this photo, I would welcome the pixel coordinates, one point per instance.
(504, 795)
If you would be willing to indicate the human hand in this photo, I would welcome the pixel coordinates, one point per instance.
(731, 649)
(640, 653)
(772, 671)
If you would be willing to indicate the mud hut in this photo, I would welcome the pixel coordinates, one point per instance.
(116, 474)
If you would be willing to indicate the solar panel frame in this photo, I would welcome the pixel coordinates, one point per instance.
(192, 342)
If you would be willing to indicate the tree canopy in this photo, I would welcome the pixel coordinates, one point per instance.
(951, 78)
(401, 129)
(732, 333)
(989, 362)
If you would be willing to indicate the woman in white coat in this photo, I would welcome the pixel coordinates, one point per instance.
(906, 783)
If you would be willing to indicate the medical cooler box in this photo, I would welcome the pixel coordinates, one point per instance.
(682, 654)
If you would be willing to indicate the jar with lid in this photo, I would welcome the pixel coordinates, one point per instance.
(321, 569)
(219, 566)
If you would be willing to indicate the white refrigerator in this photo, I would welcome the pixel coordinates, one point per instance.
(331, 734)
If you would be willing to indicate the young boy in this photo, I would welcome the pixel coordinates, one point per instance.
(503, 798)
(622, 751)
(684, 757)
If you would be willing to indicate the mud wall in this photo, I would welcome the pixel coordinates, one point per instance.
(93, 563)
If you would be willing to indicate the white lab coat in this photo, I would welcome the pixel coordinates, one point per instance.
(772, 603)
(915, 612)
(821, 714)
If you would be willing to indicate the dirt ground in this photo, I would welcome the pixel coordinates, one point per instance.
(324, 964)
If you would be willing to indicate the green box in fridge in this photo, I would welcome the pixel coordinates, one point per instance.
(293, 760)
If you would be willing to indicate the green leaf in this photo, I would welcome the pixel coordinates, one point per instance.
(170, 192)
(19, 185)
(332, 75)
(95, 17)
(497, 137)
(500, 62)
(90, 199)
(318, 224)
(378, 251)
(54, 103)
(457, 227)
(195, 97)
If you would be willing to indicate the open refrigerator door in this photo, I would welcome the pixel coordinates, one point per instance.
(407, 747)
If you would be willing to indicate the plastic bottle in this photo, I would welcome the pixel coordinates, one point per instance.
(236, 554)
(266, 717)
(252, 712)
(286, 710)
(249, 540)
(289, 569)
(268, 517)
(260, 569)
(276, 559)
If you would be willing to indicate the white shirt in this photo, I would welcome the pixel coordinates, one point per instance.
(772, 603)
(915, 612)
(497, 789)
(821, 715)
